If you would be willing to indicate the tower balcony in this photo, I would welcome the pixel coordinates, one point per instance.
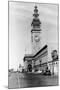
(36, 30)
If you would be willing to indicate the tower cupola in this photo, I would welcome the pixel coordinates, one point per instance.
(35, 22)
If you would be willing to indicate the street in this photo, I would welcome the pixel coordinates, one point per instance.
(24, 80)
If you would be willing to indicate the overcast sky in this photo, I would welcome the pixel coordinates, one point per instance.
(20, 18)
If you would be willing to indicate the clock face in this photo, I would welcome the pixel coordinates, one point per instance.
(37, 38)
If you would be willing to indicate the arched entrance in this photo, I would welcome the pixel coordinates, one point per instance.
(29, 68)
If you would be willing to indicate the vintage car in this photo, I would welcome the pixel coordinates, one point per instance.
(46, 72)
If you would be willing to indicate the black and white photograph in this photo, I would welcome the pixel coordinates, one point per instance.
(33, 44)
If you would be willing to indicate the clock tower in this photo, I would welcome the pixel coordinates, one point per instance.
(35, 32)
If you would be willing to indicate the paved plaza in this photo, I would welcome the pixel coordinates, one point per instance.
(24, 80)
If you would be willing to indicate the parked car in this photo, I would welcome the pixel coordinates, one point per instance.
(46, 71)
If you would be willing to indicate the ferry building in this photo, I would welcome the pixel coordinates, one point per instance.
(38, 60)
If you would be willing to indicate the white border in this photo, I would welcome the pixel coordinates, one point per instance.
(4, 43)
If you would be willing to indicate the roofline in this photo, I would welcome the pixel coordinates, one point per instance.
(36, 53)
(40, 50)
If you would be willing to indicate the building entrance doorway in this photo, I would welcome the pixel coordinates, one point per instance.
(29, 68)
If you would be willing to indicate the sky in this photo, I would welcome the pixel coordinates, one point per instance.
(20, 18)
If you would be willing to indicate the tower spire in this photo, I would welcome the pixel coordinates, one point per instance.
(35, 12)
(36, 22)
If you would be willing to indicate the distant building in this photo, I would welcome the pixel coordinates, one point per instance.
(54, 64)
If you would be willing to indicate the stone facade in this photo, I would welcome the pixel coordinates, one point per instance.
(39, 59)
